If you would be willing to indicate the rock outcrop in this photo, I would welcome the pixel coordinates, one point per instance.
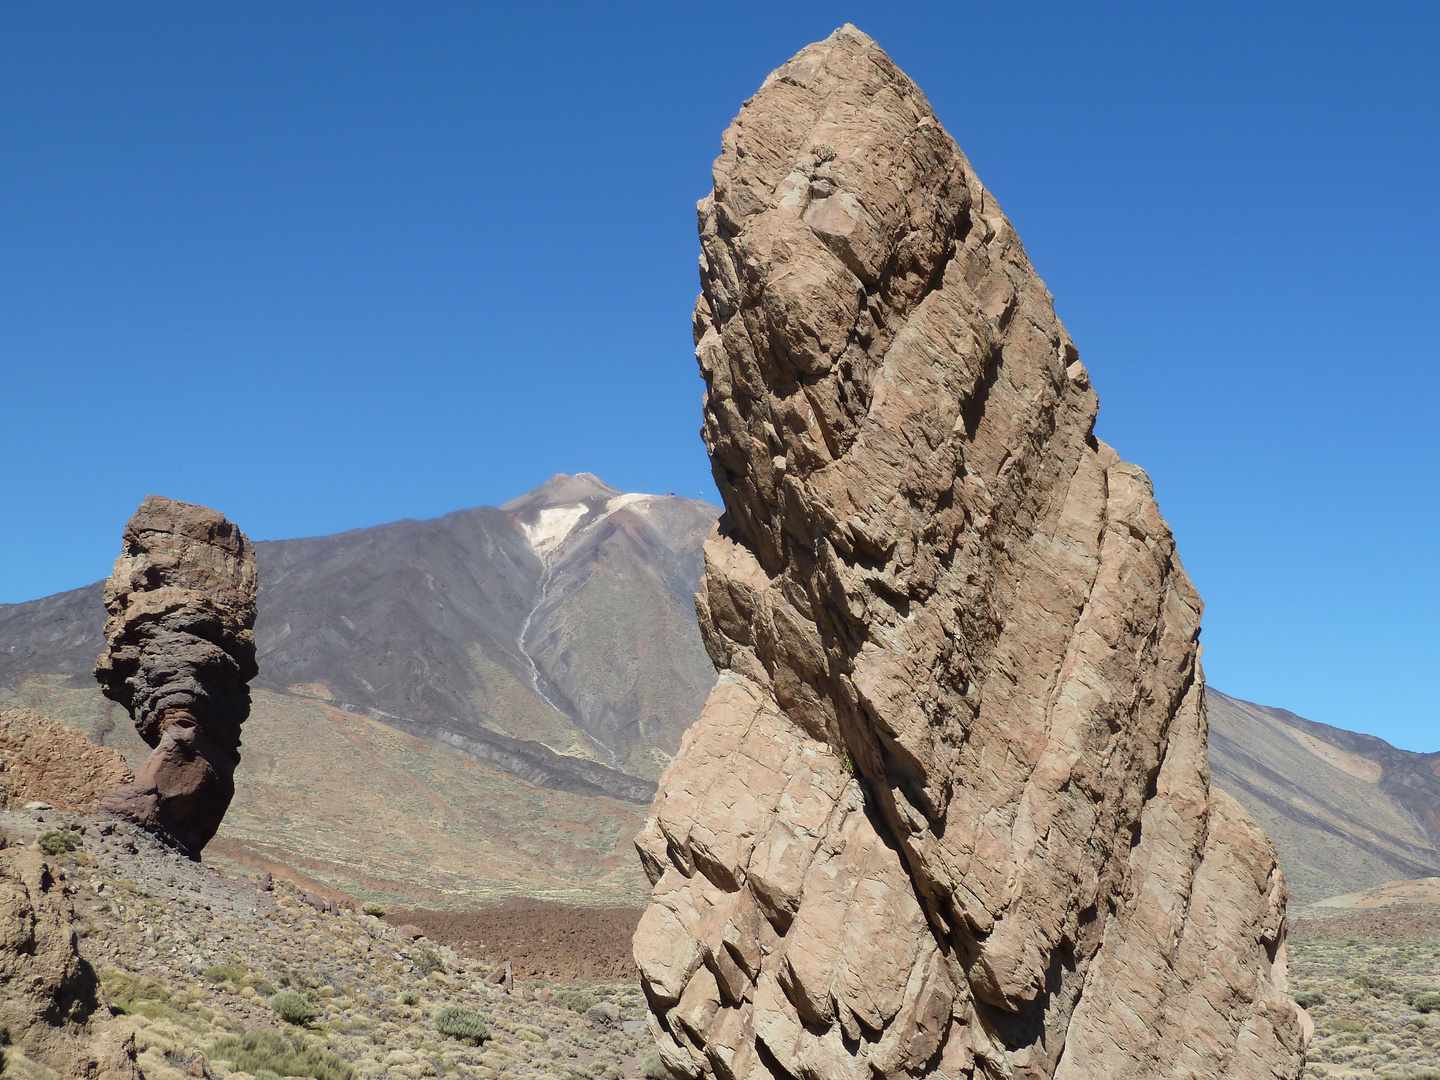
(43, 761)
(180, 654)
(51, 1006)
(948, 808)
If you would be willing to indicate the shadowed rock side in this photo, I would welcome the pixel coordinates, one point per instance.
(948, 807)
(180, 653)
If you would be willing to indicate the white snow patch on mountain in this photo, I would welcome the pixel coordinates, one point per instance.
(553, 526)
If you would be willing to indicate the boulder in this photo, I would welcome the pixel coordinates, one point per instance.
(947, 809)
(180, 652)
(51, 1005)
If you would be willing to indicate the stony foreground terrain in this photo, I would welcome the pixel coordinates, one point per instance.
(189, 955)
(155, 925)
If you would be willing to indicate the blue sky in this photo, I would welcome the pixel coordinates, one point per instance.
(323, 266)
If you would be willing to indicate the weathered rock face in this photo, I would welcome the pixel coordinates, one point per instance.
(49, 762)
(50, 1000)
(948, 807)
(180, 655)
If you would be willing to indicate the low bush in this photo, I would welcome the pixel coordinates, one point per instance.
(226, 973)
(283, 1055)
(1309, 998)
(57, 841)
(428, 960)
(653, 1067)
(1427, 1002)
(580, 1001)
(461, 1023)
(1378, 984)
(138, 995)
(375, 909)
(293, 1008)
(410, 997)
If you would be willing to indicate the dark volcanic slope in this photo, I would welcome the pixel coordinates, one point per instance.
(553, 637)
(1347, 811)
(420, 624)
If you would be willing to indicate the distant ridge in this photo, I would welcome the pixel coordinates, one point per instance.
(1347, 811)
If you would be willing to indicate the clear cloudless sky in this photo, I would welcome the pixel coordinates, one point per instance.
(327, 265)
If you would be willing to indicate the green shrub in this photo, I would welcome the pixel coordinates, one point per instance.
(292, 1007)
(653, 1067)
(410, 997)
(1309, 998)
(137, 995)
(461, 1023)
(578, 1001)
(282, 1055)
(226, 973)
(57, 841)
(1427, 1002)
(373, 908)
(267, 1074)
(428, 960)
(264, 987)
(1341, 1023)
(1379, 984)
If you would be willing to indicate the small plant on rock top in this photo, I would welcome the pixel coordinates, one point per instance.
(293, 1008)
(461, 1023)
(57, 841)
(653, 1067)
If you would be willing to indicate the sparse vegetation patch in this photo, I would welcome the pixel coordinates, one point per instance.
(461, 1023)
(293, 1007)
(57, 841)
(283, 1055)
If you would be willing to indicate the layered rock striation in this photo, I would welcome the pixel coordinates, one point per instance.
(948, 808)
(180, 654)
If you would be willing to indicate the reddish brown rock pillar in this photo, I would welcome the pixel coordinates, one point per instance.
(180, 655)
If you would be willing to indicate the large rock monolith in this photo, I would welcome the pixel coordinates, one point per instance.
(947, 810)
(180, 654)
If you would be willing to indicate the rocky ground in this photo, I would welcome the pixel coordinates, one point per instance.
(190, 957)
(1364, 977)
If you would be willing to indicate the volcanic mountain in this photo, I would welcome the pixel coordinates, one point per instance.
(553, 637)
(496, 690)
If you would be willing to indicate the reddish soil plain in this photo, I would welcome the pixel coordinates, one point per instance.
(540, 939)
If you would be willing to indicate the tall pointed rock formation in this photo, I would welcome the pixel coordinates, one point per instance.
(180, 653)
(947, 809)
